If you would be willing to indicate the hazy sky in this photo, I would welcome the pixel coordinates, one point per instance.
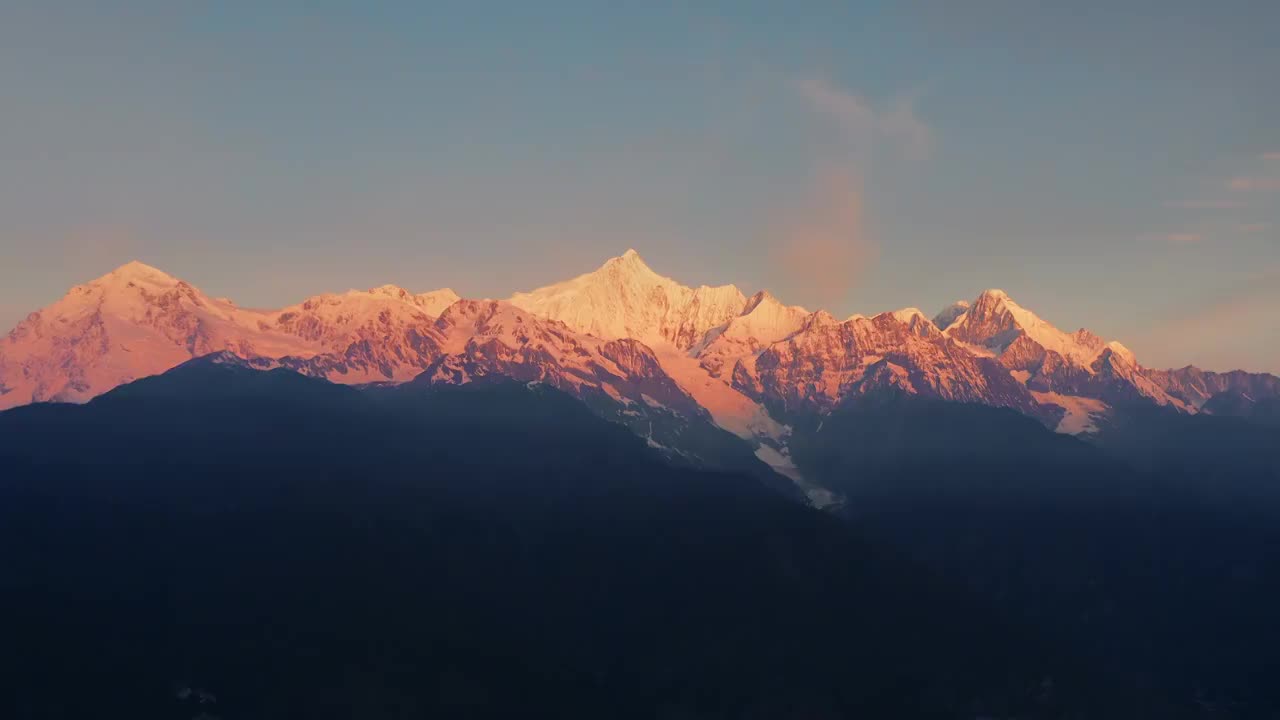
(1116, 167)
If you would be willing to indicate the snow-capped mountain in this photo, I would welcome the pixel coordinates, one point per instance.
(689, 330)
(950, 314)
(826, 362)
(688, 368)
(137, 321)
(1078, 372)
(621, 379)
(1196, 387)
(762, 322)
(626, 299)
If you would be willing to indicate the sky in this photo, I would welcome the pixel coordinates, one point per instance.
(1114, 165)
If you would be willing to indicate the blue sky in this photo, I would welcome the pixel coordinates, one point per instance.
(1116, 167)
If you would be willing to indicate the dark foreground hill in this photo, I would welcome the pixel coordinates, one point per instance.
(249, 544)
(1154, 551)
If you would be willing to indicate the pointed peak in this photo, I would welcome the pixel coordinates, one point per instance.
(135, 269)
(905, 315)
(628, 263)
(993, 302)
(630, 257)
(436, 302)
(766, 302)
(132, 273)
(432, 302)
(760, 298)
(1124, 352)
(388, 290)
(819, 319)
(950, 314)
(398, 291)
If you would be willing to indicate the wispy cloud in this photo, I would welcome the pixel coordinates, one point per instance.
(1270, 155)
(1205, 204)
(862, 120)
(1254, 227)
(1254, 184)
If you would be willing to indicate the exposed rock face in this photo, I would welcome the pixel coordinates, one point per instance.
(814, 370)
(1061, 367)
(1196, 386)
(475, 339)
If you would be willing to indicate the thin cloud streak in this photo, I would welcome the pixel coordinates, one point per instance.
(861, 121)
(1254, 184)
(1270, 156)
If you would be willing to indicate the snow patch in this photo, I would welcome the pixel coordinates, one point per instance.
(1080, 411)
(904, 315)
(651, 402)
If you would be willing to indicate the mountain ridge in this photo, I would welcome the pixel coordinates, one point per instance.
(640, 348)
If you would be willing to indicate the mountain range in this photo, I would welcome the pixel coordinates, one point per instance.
(581, 502)
(709, 375)
(232, 538)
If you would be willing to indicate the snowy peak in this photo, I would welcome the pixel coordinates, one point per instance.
(493, 320)
(821, 318)
(912, 319)
(826, 362)
(760, 298)
(766, 319)
(1122, 351)
(906, 315)
(629, 267)
(135, 272)
(432, 303)
(994, 321)
(1070, 370)
(138, 320)
(763, 321)
(132, 322)
(624, 298)
(950, 313)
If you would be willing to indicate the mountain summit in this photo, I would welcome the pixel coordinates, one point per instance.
(138, 321)
(625, 298)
